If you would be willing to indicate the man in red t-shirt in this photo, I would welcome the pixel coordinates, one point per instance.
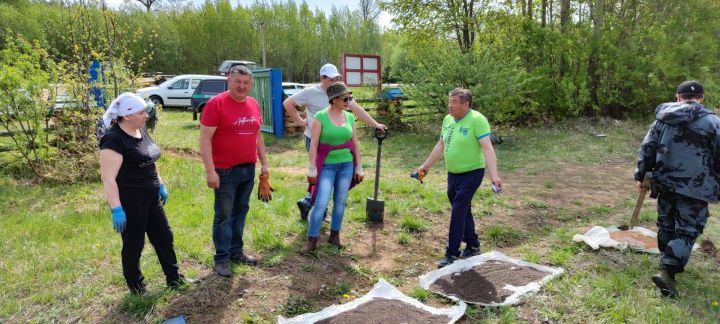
(230, 144)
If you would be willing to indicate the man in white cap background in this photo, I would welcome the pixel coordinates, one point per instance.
(316, 99)
(134, 190)
(230, 144)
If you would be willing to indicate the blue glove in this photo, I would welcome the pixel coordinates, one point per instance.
(118, 218)
(163, 194)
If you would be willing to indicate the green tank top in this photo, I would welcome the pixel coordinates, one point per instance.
(335, 135)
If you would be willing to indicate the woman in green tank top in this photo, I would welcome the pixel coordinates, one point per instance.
(334, 163)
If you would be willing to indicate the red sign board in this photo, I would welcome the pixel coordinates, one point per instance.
(359, 69)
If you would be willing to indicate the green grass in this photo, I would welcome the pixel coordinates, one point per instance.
(420, 294)
(503, 235)
(61, 260)
(413, 224)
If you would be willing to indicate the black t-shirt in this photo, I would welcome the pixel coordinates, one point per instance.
(139, 155)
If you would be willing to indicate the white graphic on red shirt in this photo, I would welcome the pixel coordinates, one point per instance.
(242, 124)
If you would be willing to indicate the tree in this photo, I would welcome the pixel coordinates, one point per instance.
(369, 9)
(430, 18)
(147, 3)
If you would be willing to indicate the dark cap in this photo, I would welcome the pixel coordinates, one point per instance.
(690, 87)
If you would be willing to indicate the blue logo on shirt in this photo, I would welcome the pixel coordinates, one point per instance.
(464, 130)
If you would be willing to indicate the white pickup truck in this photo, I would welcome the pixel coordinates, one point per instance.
(175, 92)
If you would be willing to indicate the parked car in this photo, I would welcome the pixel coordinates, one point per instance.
(175, 92)
(291, 88)
(205, 90)
(228, 64)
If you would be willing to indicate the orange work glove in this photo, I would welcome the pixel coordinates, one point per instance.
(312, 175)
(264, 188)
(359, 175)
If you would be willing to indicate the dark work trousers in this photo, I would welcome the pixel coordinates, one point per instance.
(145, 214)
(460, 191)
(681, 220)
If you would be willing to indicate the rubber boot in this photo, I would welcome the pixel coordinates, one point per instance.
(666, 282)
(310, 245)
(334, 239)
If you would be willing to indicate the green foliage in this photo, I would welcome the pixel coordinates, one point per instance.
(296, 305)
(191, 39)
(619, 60)
(25, 75)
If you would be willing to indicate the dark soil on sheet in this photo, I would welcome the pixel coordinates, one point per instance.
(484, 283)
(381, 310)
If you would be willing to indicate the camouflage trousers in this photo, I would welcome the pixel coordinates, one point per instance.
(681, 220)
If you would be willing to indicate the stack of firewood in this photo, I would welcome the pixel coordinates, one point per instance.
(294, 129)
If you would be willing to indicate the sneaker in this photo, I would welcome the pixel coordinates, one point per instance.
(243, 258)
(448, 259)
(469, 251)
(304, 209)
(222, 268)
(666, 282)
(181, 283)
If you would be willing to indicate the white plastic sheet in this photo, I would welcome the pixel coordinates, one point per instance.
(518, 292)
(598, 237)
(382, 289)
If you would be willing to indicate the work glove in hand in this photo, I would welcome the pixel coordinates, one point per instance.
(359, 174)
(264, 188)
(163, 194)
(419, 174)
(312, 175)
(118, 219)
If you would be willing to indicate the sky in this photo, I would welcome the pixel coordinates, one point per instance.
(324, 5)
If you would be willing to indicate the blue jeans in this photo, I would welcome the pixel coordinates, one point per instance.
(232, 202)
(333, 178)
(460, 191)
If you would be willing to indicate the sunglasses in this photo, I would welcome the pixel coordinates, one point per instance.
(335, 79)
(348, 98)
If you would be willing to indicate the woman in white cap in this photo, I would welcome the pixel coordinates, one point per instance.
(334, 163)
(134, 190)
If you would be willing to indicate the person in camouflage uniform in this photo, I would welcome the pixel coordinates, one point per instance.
(681, 155)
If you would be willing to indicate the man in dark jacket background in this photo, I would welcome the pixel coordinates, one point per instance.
(681, 152)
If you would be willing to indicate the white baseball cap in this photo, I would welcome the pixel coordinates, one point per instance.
(329, 71)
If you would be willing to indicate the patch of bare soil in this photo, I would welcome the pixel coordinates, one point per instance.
(708, 247)
(485, 283)
(381, 310)
(564, 188)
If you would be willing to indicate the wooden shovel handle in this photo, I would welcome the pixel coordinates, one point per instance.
(639, 202)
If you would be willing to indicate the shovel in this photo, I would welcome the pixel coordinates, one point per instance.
(639, 202)
(376, 208)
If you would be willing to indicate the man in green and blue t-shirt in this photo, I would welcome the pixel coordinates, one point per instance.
(465, 144)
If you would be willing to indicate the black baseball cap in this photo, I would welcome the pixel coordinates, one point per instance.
(690, 87)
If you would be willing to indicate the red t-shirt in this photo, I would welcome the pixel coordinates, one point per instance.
(238, 124)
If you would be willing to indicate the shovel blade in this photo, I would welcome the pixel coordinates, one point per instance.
(375, 209)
